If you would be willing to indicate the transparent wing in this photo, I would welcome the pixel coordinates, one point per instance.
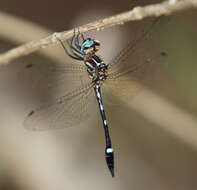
(141, 44)
(66, 111)
(55, 79)
(64, 89)
(140, 61)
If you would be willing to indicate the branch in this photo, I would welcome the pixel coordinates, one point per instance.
(138, 13)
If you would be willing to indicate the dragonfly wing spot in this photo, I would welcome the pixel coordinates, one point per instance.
(31, 113)
(29, 66)
(163, 53)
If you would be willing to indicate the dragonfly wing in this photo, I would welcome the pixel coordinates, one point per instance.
(143, 48)
(55, 78)
(65, 111)
(140, 62)
(122, 86)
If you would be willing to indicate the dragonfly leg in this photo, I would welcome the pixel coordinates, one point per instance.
(71, 45)
(77, 40)
(74, 51)
(75, 56)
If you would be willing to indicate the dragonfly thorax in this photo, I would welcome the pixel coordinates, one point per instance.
(96, 68)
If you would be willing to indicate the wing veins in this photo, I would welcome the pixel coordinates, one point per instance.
(132, 48)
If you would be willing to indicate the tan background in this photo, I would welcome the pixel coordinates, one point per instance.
(155, 146)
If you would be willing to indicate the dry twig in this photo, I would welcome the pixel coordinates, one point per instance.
(138, 13)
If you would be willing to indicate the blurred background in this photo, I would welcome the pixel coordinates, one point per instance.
(154, 133)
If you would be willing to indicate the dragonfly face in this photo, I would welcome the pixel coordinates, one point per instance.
(90, 46)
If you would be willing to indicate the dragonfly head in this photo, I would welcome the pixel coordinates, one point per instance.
(90, 46)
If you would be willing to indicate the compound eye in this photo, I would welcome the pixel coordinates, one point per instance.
(87, 46)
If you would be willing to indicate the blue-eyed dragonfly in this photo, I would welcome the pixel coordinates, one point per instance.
(73, 107)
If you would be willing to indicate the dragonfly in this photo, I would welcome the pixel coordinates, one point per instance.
(73, 107)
